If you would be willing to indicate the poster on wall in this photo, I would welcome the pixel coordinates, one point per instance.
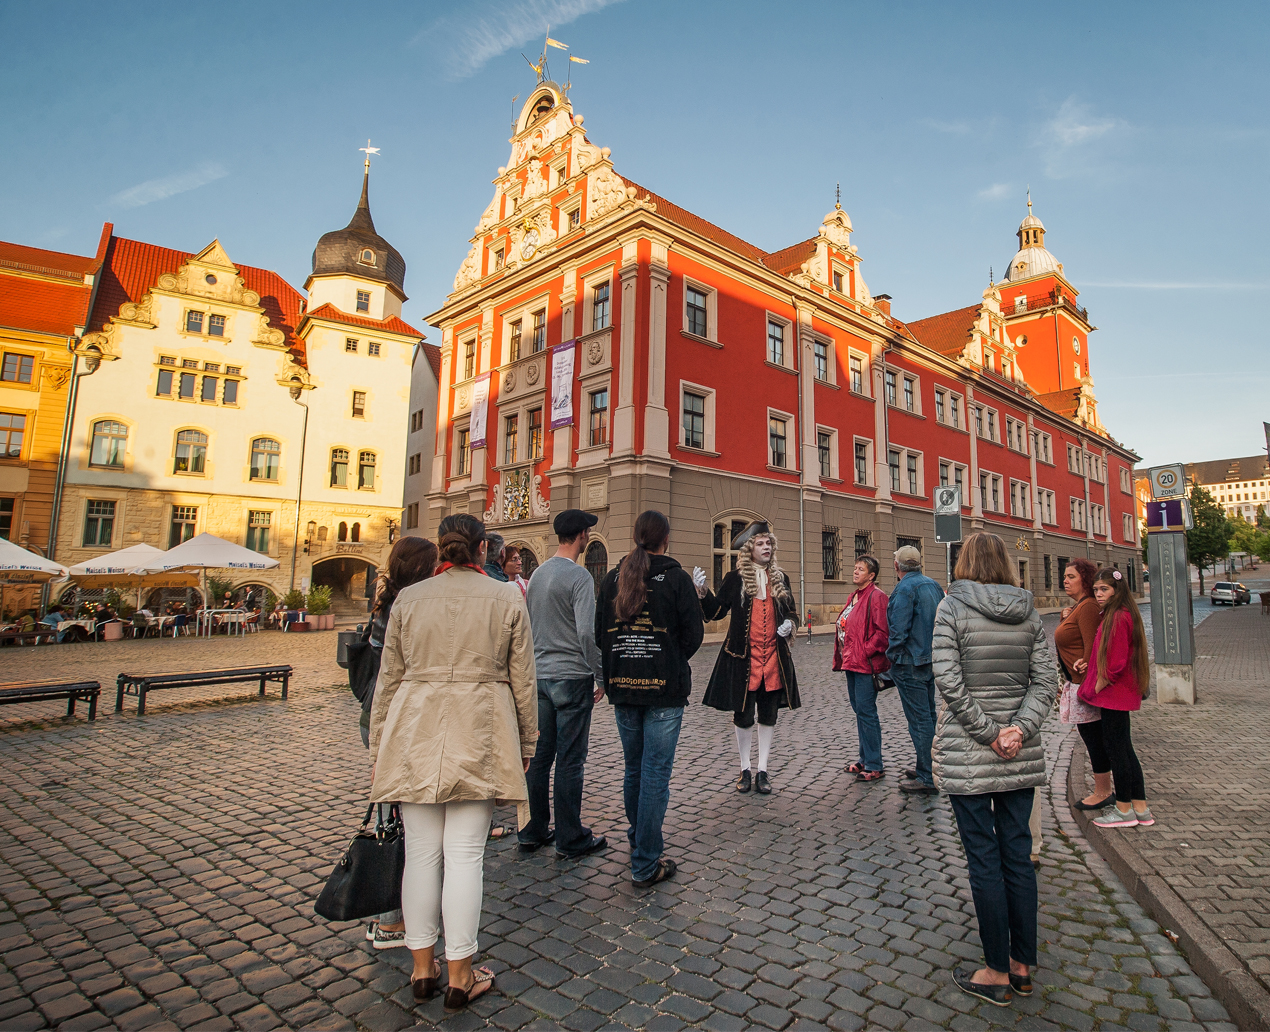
(480, 406)
(562, 384)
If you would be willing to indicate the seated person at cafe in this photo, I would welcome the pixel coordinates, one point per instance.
(55, 616)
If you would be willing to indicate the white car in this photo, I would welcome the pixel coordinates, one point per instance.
(1229, 593)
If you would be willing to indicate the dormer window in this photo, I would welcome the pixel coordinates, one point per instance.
(368, 256)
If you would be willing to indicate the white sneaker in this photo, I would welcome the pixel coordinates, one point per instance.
(386, 940)
(1113, 818)
(370, 931)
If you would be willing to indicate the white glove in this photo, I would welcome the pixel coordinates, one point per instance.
(699, 581)
(786, 629)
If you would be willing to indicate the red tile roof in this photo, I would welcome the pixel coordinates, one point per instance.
(393, 325)
(1065, 403)
(790, 259)
(133, 267)
(433, 354)
(53, 263)
(688, 220)
(948, 333)
(27, 303)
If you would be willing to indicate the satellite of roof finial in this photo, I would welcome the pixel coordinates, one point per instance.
(837, 197)
(369, 151)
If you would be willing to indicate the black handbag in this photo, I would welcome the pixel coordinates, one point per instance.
(367, 879)
(363, 668)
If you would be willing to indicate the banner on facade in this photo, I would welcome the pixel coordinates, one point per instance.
(480, 407)
(562, 384)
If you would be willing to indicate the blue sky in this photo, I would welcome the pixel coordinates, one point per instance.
(1141, 128)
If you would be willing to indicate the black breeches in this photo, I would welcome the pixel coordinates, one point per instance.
(1126, 771)
(767, 704)
(1091, 735)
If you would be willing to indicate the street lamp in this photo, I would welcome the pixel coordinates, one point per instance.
(392, 529)
(308, 538)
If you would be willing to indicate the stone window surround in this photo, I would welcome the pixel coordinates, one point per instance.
(712, 311)
(835, 475)
(788, 356)
(708, 441)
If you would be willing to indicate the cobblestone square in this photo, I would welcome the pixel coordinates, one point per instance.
(159, 871)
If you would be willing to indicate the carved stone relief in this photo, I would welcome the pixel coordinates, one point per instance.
(470, 271)
(607, 191)
(532, 373)
(594, 352)
(509, 380)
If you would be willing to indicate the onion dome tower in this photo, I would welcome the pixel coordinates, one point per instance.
(1032, 258)
(358, 251)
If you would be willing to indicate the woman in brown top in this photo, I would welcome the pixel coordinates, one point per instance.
(1074, 640)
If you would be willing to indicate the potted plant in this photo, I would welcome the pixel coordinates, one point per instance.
(320, 606)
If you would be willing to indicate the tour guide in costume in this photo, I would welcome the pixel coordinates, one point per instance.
(755, 670)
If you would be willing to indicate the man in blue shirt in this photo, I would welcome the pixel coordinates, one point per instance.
(910, 616)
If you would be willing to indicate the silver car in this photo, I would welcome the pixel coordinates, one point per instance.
(1229, 593)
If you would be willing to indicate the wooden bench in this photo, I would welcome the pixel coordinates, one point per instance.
(140, 684)
(73, 691)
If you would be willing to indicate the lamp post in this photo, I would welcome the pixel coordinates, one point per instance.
(297, 389)
(392, 529)
(310, 530)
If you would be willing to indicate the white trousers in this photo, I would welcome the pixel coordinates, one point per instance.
(444, 880)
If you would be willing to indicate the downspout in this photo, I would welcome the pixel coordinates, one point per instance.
(802, 469)
(296, 392)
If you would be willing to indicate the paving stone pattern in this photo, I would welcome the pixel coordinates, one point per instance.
(159, 871)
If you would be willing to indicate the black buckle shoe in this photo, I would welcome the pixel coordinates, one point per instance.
(743, 782)
(761, 783)
(997, 995)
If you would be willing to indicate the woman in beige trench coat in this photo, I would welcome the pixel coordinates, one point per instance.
(454, 725)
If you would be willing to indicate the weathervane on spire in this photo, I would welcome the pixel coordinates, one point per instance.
(1029, 198)
(837, 197)
(541, 67)
(369, 151)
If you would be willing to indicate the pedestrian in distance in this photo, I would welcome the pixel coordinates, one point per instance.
(453, 728)
(910, 620)
(859, 649)
(998, 681)
(754, 672)
(1118, 679)
(411, 560)
(561, 601)
(1074, 642)
(648, 625)
(513, 564)
(494, 562)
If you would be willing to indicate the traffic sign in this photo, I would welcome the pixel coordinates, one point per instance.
(1168, 481)
(947, 514)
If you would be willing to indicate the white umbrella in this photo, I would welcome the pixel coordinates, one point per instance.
(120, 564)
(18, 566)
(206, 552)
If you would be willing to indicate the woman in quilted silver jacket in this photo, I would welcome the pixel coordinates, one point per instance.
(994, 670)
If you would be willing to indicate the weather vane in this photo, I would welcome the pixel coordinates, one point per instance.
(369, 151)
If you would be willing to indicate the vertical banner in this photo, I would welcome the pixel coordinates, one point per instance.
(562, 384)
(480, 408)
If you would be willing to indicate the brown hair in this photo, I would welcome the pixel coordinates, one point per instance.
(1087, 569)
(650, 534)
(984, 559)
(510, 554)
(1120, 600)
(411, 560)
(870, 564)
(460, 537)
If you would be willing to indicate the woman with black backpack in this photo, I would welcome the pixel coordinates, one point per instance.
(411, 560)
(648, 624)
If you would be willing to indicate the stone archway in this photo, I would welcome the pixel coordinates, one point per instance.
(351, 580)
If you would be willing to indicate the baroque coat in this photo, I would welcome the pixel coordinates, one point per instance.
(731, 677)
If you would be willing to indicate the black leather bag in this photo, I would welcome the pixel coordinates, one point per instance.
(367, 879)
(363, 668)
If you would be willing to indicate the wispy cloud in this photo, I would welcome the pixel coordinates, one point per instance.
(1169, 285)
(469, 40)
(995, 192)
(1068, 138)
(169, 186)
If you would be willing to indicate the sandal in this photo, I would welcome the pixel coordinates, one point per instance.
(853, 768)
(870, 775)
(665, 869)
(426, 988)
(456, 999)
(499, 831)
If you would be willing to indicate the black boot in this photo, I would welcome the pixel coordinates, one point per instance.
(743, 782)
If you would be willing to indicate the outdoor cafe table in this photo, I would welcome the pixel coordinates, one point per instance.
(161, 622)
(207, 620)
(87, 623)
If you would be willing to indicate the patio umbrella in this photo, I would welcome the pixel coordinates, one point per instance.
(118, 570)
(18, 566)
(206, 552)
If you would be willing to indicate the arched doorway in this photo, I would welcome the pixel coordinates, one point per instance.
(597, 562)
(351, 580)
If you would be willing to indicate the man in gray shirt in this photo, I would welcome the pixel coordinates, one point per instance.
(561, 601)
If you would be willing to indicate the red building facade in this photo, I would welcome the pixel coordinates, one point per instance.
(721, 383)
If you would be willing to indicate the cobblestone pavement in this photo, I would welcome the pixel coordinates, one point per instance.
(160, 871)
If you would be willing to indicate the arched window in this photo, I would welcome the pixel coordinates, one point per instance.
(342, 533)
(339, 468)
(191, 452)
(357, 532)
(597, 562)
(110, 441)
(368, 256)
(366, 470)
(265, 453)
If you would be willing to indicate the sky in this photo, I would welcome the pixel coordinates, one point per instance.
(1141, 129)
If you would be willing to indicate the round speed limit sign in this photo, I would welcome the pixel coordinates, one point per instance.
(1168, 481)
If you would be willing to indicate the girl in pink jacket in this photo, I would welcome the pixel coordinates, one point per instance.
(860, 649)
(1118, 680)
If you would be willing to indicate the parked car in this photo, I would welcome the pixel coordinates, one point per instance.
(1230, 593)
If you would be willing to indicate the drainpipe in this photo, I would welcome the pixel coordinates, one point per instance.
(296, 392)
(802, 470)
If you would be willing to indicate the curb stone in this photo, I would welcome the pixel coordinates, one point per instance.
(1241, 994)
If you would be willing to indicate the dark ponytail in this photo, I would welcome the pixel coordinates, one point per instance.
(650, 534)
(460, 538)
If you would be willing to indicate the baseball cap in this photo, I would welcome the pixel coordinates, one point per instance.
(909, 558)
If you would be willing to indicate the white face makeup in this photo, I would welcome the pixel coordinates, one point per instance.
(761, 550)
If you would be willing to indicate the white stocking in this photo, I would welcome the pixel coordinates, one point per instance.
(765, 732)
(744, 735)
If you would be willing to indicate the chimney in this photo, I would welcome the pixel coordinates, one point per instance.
(882, 302)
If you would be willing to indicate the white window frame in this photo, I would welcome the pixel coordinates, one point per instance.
(1045, 505)
(688, 387)
(589, 282)
(1126, 480)
(792, 456)
(1021, 492)
(1044, 448)
(567, 208)
(1098, 519)
(831, 358)
(1016, 435)
(1128, 528)
(787, 358)
(834, 473)
(845, 273)
(953, 465)
(866, 390)
(712, 311)
(994, 480)
(901, 403)
(1076, 510)
(870, 473)
(460, 425)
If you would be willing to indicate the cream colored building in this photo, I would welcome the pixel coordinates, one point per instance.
(226, 402)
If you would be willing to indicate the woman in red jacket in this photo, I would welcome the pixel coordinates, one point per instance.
(1116, 683)
(860, 649)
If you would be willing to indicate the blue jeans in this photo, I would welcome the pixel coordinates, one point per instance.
(864, 700)
(994, 832)
(649, 735)
(916, 685)
(564, 730)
